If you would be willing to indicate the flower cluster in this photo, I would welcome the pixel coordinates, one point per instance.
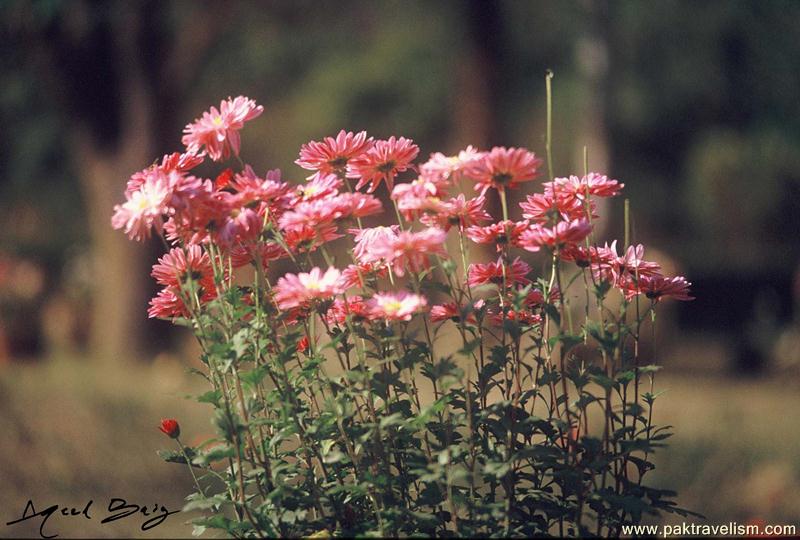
(370, 292)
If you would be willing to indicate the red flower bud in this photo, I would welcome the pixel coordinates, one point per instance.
(170, 427)
(302, 345)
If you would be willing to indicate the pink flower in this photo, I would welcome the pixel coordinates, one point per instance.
(320, 186)
(417, 196)
(444, 170)
(331, 156)
(168, 303)
(500, 234)
(366, 240)
(144, 208)
(295, 290)
(633, 262)
(217, 131)
(450, 311)
(359, 275)
(657, 287)
(382, 162)
(395, 306)
(587, 256)
(410, 250)
(550, 206)
(564, 233)
(503, 168)
(356, 205)
(305, 238)
(492, 273)
(269, 190)
(458, 211)
(592, 184)
(179, 265)
(341, 308)
(249, 254)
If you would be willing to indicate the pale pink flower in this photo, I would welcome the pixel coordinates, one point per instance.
(492, 273)
(144, 209)
(395, 306)
(320, 186)
(633, 262)
(417, 196)
(366, 239)
(217, 131)
(501, 233)
(295, 290)
(383, 161)
(562, 234)
(443, 170)
(331, 156)
(410, 250)
(315, 214)
(356, 205)
(458, 211)
(503, 168)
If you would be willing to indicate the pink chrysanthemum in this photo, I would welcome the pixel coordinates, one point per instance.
(564, 233)
(444, 170)
(295, 290)
(458, 211)
(501, 233)
(366, 239)
(354, 306)
(361, 274)
(168, 303)
(180, 265)
(319, 187)
(217, 131)
(417, 196)
(250, 254)
(492, 273)
(332, 155)
(395, 306)
(549, 207)
(634, 264)
(410, 250)
(657, 287)
(144, 209)
(451, 311)
(382, 162)
(503, 168)
(269, 190)
(579, 188)
(305, 238)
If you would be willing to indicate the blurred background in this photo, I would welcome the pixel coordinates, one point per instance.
(695, 106)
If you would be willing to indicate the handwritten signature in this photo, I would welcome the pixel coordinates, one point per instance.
(117, 509)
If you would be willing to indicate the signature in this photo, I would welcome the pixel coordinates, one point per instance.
(117, 509)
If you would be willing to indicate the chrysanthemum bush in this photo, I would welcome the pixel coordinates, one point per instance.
(412, 378)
